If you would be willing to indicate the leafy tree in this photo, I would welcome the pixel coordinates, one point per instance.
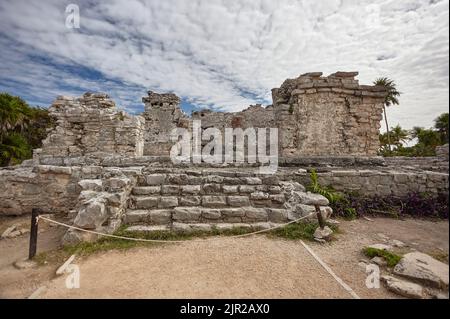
(427, 139)
(391, 99)
(441, 124)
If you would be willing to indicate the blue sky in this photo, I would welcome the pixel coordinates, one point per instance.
(223, 54)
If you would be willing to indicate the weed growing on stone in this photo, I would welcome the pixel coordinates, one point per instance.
(391, 258)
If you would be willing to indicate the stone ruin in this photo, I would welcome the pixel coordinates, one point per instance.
(102, 168)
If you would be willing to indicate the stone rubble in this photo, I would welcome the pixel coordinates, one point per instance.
(403, 288)
(323, 233)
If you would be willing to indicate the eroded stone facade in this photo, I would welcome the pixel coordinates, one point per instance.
(315, 115)
(162, 114)
(92, 124)
(102, 167)
(331, 115)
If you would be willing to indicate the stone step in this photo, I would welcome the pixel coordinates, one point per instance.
(148, 229)
(205, 189)
(148, 217)
(196, 214)
(223, 178)
(257, 199)
(191, 227)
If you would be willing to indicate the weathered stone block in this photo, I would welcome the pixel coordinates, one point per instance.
(190, 189)
(146, 190)
(213, 179)
(278, 198)
(257, 214)
(277, 215)
(259, 195)
(211, 214)
(230, 189)
(146, 202)
(247, 188)
(190, 201)
(233, 212)
(168, 201)
(252, 180)
(311, 199)
(238, 201)
(91, 184)
(155, 179)
(170, 189)
(212, 188)
(213, 201)
(186, 214)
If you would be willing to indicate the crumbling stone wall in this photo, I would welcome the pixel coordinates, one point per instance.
(92, 124)
(331, 115)
(376, 182)
(162, 114)
(315, 116)
(253, 116)
(53, 189)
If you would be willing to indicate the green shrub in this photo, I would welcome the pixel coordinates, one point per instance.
(314, 187)
(391, 258)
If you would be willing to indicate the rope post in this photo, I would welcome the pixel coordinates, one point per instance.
(319, 217)
(33, 233)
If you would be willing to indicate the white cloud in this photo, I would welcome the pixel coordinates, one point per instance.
(211, 52)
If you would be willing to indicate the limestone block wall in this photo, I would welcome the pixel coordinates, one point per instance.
(380, 183)
(331, 115)
(92, 124)
(162, 114)
(53, 189)
(254, 116)
(442, 152)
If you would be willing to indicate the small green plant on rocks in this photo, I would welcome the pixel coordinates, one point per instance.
(391, 258)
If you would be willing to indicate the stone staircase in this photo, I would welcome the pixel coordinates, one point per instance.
(200, 200)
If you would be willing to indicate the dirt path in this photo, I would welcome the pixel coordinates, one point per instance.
(21, 283)
(253, 267)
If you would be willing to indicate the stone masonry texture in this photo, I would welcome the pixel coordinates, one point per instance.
(102, 167)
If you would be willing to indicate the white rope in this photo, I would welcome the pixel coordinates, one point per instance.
(167, 241)
(322, 263)
(328, 269)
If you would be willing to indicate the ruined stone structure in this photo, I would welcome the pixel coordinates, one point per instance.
(101, 167)
(315, 115)
(162, 114)
(92, 124)
(331, 115)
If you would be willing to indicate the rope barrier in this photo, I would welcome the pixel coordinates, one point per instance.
(323, 264)
(169, 241)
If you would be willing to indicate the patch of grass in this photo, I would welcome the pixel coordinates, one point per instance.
(301, 230)
(350, 213)
(391, 258)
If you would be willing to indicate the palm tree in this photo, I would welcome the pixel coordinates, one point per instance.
(14, 114)
(391, 99)
(399, 135)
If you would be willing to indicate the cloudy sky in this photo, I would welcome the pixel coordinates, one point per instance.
(224, 54)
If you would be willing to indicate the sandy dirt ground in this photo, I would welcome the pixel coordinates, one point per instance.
(251, 267)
